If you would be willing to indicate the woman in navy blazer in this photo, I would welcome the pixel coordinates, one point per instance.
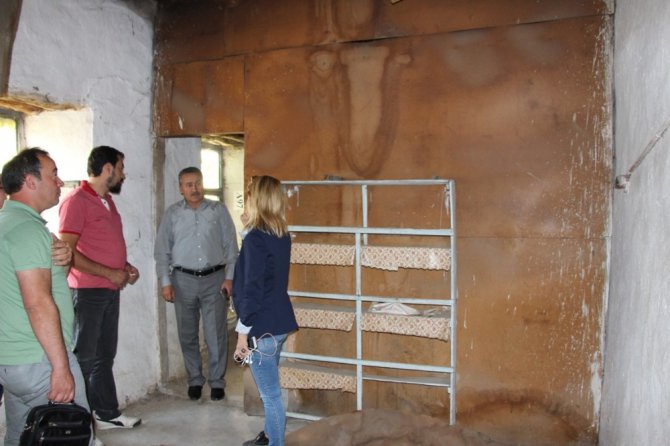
(261, 299)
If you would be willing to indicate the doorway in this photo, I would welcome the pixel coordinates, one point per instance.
(222, 164)
(221, 159)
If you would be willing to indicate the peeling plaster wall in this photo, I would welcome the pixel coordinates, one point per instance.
(98, 54)
(637, 351)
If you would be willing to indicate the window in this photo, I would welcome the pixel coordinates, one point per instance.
(10, 125)
(212, 175)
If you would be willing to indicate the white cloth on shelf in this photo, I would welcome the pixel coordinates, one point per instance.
(393, 308)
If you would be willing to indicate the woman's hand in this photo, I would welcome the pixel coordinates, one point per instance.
(241, 349)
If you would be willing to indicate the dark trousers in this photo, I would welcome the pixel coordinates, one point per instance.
(96, 336)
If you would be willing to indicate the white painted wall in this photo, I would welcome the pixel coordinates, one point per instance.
(636, 393)
(97, 54)
(233, 194)
(66, 135)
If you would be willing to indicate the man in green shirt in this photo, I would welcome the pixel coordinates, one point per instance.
(36, 313)
(61, 254)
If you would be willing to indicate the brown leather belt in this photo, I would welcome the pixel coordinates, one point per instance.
(199, 272)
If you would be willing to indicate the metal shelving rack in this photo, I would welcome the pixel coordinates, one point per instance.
(361, 234)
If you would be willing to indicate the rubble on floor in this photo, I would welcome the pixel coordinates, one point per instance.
(377, 427)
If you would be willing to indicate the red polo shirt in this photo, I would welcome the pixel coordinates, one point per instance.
(100, 234)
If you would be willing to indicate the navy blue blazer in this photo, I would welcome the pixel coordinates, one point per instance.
(260, 284)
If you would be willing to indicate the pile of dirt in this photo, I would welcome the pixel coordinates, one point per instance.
(377, 427)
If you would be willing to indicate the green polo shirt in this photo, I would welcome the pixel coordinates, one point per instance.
(25, 244)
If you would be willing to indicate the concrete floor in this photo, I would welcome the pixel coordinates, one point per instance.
(169, 418)
(174, 420)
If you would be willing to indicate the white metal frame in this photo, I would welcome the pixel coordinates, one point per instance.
(360, 234)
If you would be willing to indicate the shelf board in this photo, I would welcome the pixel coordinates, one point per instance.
(424, 381)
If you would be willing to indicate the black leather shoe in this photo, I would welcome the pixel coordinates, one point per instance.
(194, 392)
(260, 440)
(217, 394)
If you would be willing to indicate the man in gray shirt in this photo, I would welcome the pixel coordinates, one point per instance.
(195, 252)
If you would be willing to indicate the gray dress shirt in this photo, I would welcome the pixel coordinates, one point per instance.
(195, 239)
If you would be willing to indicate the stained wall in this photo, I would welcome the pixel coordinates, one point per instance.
(513, 102)
(637, 353)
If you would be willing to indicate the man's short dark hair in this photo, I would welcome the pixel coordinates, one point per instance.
(26, 162)
(187, 170)
(100, 156)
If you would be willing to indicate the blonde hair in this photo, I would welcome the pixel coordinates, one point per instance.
(266, 206)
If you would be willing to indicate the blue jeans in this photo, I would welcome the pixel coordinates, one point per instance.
(265, 368)
(96, 337)
(27, 386)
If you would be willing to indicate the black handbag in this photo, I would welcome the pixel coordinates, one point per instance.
(57, 424)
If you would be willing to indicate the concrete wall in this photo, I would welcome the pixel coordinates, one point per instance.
(637, 354)
(97, 54)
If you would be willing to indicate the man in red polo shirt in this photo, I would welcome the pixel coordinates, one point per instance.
(91, 225)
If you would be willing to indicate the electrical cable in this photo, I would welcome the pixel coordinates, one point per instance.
(248, 358)
(623, 180)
